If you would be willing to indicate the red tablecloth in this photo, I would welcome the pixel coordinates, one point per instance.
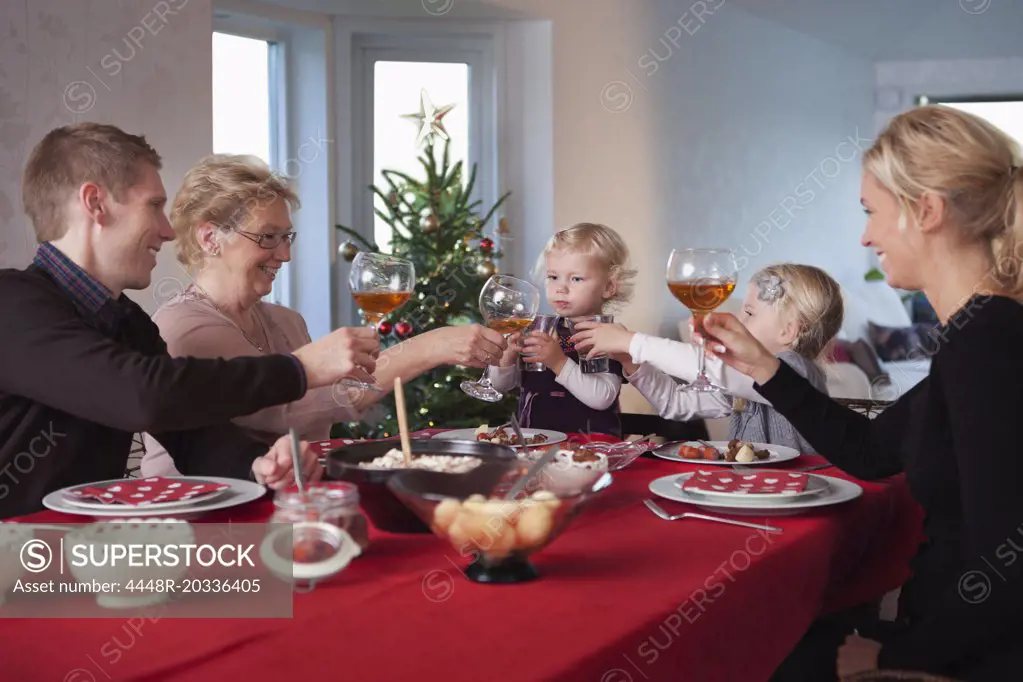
(623, 595)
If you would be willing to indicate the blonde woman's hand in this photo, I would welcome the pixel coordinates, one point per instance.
(857, 655)
(471, 345)
(733, 344)
(602, 338)
(274, 469)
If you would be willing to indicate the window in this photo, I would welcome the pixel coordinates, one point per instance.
(1005, 113)
(397, 88)
(389, 74)
(245, 83)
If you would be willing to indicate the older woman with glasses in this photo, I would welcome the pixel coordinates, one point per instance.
(234, 231)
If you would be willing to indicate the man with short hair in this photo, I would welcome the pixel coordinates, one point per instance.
(83, 368)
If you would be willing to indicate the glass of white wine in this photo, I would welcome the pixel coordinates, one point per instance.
(508, 305)
(380, 284)
(701, 279)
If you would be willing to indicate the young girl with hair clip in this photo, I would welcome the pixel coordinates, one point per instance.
(585, 268)
(943, 193)
(794, 310)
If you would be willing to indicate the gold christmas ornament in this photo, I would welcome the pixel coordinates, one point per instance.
(348, 251)
(486, 269)
(430, 224)
(502, 226)
(430, 119)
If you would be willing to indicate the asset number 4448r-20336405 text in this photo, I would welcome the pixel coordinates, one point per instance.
(194, 585)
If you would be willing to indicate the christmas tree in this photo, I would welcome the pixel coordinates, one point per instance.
(435, 224)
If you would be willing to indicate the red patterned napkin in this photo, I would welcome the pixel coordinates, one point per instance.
(757, 482)
(145, 491)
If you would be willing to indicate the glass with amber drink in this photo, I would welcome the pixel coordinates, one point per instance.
(508, 305)
(380, 284)
(701, 279)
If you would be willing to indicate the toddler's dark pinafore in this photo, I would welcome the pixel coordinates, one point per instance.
(546, 404)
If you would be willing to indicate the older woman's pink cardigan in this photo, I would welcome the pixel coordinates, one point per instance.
(192, 327)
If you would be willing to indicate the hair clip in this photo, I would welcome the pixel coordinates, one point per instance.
(770, 287)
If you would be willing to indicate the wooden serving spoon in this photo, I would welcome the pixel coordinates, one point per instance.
(399, 402)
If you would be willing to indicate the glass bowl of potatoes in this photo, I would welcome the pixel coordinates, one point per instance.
(499, 536)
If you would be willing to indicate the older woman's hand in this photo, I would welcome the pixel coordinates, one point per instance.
(274, 469)
(470, 345)
(735, 346)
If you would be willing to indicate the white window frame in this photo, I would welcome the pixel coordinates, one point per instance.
(246, 27)
(472, 48)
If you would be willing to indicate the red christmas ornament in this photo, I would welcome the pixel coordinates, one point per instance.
(403, 329)
(486, 244)
(384, 328)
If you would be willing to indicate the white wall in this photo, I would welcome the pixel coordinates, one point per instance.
(141, 65)
(723, 129)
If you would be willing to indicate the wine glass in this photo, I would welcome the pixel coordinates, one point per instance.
(380, 284)
(508, 305)
(701, 279)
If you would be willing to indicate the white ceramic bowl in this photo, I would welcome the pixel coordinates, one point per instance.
(13, 537)
(94, 540)
(563, 476)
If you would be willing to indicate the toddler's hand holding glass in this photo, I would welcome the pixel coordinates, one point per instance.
(546, 349)
(511, 352)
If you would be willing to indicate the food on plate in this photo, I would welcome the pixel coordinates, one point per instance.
(742, 451)
(450, 464)
(506, 436)
(701, 451)
(497, 527)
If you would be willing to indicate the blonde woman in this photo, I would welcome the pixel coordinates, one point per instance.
(232, 221)
(793, 310)
(943, 194)
(586, 270)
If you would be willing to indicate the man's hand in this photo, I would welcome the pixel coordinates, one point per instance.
(274, 469)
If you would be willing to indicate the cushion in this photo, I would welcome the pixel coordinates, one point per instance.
(871, 302)
(920, 309)
(864, 357)
(911, 342)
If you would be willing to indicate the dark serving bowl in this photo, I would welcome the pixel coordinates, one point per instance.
(386, 511)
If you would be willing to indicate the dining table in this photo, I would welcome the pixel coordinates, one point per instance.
(622, 595)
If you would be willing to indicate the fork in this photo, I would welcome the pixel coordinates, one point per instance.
(656, 509)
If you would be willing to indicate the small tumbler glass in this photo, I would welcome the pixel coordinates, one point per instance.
(593, 364)
(545, 324)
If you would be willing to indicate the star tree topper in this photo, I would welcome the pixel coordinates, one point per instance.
(430, 119)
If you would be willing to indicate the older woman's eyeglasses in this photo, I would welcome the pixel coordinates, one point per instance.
(268, 240)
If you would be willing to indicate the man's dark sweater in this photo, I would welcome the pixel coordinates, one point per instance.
(81, 372)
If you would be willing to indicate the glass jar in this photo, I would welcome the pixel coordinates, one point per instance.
(334, 502)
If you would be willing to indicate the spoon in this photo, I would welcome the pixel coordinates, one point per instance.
(534, 470)
(399, 404)
(295, 462)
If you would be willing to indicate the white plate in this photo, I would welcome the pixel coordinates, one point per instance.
(96, 504)
(778, 453)
(470, 434)
(839, 491)
(240, 492)
(815, 486)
